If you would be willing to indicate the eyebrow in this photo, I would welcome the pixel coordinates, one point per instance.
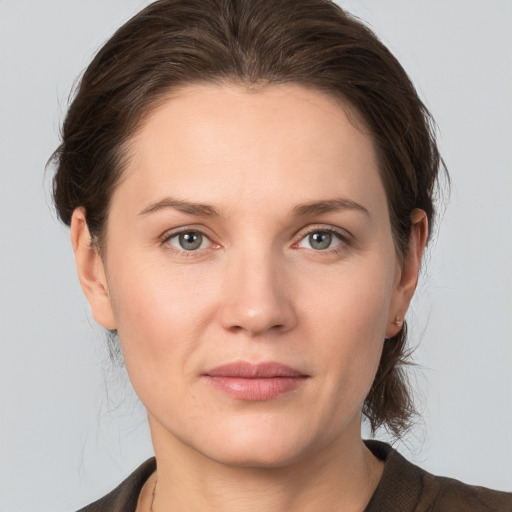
(206, 210)
(327, 206)
(187, 207)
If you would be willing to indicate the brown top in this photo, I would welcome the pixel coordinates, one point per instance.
(403, 487)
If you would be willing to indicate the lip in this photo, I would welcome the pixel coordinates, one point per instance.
(255, 382)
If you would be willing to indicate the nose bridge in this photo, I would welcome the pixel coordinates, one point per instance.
(255, 296)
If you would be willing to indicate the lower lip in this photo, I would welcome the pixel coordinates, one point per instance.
(255, 389)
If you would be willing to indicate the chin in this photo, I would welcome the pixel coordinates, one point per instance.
(265, 445)
(261, 456)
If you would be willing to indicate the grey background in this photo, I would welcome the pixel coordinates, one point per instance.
(69, 430)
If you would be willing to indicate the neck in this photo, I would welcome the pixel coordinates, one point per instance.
(342, 476)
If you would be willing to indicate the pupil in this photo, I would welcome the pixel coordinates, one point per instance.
(320, 240)
(191, 240)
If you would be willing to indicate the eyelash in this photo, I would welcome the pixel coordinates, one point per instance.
(165, 242)
(342, 236)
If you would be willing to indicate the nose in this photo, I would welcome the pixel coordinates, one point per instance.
(257, 297)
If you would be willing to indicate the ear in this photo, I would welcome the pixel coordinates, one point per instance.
(410, 268)
(91, 271)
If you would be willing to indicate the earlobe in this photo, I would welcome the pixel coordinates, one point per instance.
(91, 271)
(410, 269)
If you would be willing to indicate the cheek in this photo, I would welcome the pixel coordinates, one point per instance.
(152, 293)
(348, 316)
(160, 312)
(352, 301)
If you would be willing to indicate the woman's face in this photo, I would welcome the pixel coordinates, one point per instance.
(250, 271)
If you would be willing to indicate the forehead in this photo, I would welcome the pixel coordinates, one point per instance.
(284, 141)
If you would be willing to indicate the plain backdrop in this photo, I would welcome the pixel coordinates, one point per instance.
(69, 430)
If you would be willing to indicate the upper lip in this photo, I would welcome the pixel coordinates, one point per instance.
(245, 370)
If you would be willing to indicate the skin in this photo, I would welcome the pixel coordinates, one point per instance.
(257, 289)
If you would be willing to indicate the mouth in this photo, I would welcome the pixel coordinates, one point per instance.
(255, 382)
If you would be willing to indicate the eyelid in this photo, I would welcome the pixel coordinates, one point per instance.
(171, 233)
(343, 235)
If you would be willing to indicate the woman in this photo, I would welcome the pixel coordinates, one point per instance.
(249, 198)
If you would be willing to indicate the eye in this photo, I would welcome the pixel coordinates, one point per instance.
(189, 240)
(321, 240)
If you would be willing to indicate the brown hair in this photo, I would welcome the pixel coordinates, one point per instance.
(172, 43)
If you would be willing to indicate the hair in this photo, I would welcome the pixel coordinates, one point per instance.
(314, 43)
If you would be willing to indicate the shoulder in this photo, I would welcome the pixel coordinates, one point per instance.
(124, 497)
(442, 493)
(404, 487)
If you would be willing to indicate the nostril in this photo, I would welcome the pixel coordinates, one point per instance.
(256, 302)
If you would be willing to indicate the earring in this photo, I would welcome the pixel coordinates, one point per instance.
(399, 323)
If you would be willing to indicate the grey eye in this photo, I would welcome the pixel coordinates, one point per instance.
(320, 240)
(188, 240)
